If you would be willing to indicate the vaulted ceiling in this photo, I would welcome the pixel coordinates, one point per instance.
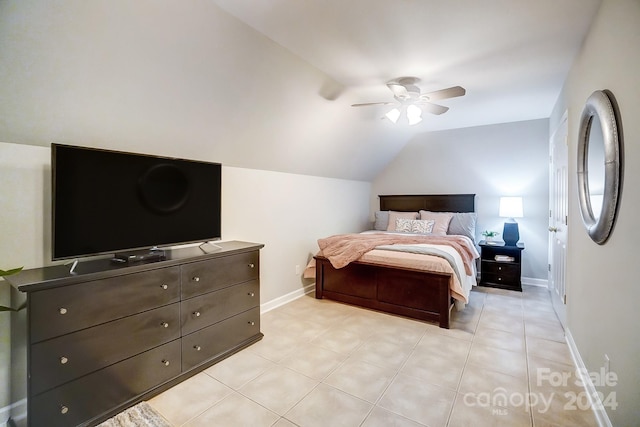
(269, 84)
(511, 56)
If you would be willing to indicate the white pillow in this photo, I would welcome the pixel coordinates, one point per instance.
(393, 215)
(414, 226)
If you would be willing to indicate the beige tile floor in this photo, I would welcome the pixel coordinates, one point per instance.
(323, 363)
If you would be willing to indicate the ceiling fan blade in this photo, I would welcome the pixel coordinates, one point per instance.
(398, 90)
(373, 103)
(450, 92)
(433, 108)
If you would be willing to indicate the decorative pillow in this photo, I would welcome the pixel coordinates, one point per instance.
(393, 215)
(464, 224)
(382, 221)
(442, 220)
(414, 226)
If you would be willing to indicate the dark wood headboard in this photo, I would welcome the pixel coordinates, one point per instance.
(429, 202)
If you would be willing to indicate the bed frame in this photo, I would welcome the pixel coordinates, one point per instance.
(407, 292)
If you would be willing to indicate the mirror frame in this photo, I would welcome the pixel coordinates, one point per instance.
(600, 104)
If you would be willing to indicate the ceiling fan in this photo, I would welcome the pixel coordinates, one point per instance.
(407, 94)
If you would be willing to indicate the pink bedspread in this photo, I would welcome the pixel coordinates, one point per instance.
(342, 249)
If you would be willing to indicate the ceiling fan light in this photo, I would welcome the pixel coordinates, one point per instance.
(393, 115)
(414, 114)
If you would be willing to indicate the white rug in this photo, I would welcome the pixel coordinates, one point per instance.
(140, 415)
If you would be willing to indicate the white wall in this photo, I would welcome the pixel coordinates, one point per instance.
(491, 161)
(286, 212)
(602, 281)
(24, 217)
(183, 77)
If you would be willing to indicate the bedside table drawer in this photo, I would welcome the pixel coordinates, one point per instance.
(500, 268)
(502, 279)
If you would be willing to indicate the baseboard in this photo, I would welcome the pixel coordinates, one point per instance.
(277, 302)
(9, 420)
(601, 415)
(535, 282)
(5, 413)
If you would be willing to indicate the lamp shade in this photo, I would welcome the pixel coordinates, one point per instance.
(414, 115)
(393, 115)
(511, 207)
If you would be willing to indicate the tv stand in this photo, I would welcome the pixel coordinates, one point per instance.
(94, 343)
(74, 264)
(209, 247)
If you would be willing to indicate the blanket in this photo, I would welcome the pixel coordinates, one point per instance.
(343, 249)
(427, 250)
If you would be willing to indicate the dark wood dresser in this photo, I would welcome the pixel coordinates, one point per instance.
(110, 335)
(501, 266)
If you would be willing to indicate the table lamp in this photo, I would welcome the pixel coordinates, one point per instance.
(511, 207)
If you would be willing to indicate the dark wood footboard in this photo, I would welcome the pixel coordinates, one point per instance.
(418, 294)
(406, 292)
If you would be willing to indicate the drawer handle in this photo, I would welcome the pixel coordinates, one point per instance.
(252, 323)
(164, 286)
(197, 347)
(195, 279)
(62, 310)
(499, 279)
(63, 409)
(63, 360)
(499, 268)
(196, 313)
(251, 294)
(252, 265)
(164, 324)
(165, 362)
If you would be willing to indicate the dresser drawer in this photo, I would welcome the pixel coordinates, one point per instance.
(95, 394)
(217, 339)
(206, 276)
(58, 311)
(196, 313)
(62, 359)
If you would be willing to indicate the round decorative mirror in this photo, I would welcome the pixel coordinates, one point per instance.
(599, 164)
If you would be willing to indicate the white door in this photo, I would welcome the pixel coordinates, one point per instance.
(558, 217)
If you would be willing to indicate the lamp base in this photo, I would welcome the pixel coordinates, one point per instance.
(510, 233)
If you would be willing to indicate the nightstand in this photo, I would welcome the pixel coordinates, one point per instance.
(500, 265)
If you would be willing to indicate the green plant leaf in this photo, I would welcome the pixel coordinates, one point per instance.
(10, 272)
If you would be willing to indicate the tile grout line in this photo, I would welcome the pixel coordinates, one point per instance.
(466, 362)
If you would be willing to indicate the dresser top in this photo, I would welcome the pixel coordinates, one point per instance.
(93, 269)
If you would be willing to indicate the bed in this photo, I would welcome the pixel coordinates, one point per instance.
(382, 280)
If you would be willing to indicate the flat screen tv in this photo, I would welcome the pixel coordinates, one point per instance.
(109, 201)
